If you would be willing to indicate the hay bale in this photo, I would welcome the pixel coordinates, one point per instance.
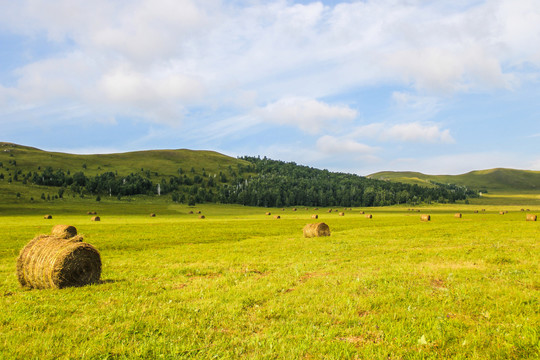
(48, 261)
(527, 210)
(329, 210)
(294, 209)
(457, 215)
(483, 209)
(476, 211)
(316, 209)
(369, 216)
(191, 212)
(425, 217)
(314, 216)
(202, 217)
(522, 209)
(341, 214)
(531, 217)
(199, 212)
(361, 212)
(91, 213)
(277, 217)
(501, 213)
(95, 218)
(268, 213)
(47, 217)
(316, 230)
(64, 231)
(152, 215)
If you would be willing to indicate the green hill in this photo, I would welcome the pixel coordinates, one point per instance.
(493, 180)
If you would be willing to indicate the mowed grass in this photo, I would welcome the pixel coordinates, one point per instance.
(241, 284)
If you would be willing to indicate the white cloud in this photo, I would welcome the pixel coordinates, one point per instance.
(310, 115)
(336, 145)
(405, 132)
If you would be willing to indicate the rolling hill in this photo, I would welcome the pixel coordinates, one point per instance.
(492, 180)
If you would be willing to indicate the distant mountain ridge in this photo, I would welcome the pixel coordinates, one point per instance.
(492, 180)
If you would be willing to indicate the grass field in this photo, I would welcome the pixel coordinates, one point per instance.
(241, 284)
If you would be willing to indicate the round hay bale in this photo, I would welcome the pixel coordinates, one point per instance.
(268, 213)
(316, 209)
(277, 217)
(64, 231)
(198, 212)
(294, 209)
(483, 209)
(476, 211)
(425, 217)
(361, 212)
(527, 210)
(316, 230)
(457, 215)
(501, 212)
(329, 210)
(152, 215)
(202, 217)
(314, 216)
(531, 217)
(48, 262)
(369, 216)
(522, 209)
(47, 217)
(191, 212)
(341, 214)
(95, 218)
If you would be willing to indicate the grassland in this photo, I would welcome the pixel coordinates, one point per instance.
(241, 284)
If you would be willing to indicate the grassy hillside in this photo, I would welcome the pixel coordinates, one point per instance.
(163, 162)
(492, 180)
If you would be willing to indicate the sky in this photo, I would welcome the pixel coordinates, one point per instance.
(441, 87)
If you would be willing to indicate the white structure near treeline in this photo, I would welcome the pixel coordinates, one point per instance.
(158, 190)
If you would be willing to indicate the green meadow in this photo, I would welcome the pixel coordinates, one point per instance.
(242, 284)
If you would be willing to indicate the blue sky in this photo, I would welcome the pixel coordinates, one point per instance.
(442, 87)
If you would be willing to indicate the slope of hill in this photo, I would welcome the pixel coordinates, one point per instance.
(492, 180)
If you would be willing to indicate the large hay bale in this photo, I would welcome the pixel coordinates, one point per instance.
(316, 229)
(314, 216)
(501, 213)
(531, 217)
(341, 214)
(369, 216)
(48, 261)
(425, 217)
(277, 217)
(294, 209)
(64, 231)
(476, 211)
(457, 215)
(152, 215)
(47, 217)
(95, 218)
(202, 217)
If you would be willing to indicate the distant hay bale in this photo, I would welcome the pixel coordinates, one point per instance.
(268, 213)
(316, 230)
(199, 212)
(202, 217)
(522, 209)
(425, 217)
(91, 213)
(531, 217)
(48, 261)
(306, 209)
(457, 215)
(341, 214)
(95, 218)
(527, 210)
(316, 209)
(483, 209)
(294, 209)
(361, 212)
(476, 211)
(369, 216)
(152, 215)
(418, 210)
(47, 217)
(277, 217)
(329, 210)
(501, 213)
(64, 231)
(191, 212)
(314, 216)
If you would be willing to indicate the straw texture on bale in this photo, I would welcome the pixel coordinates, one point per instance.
(316, 229)
(64, 231)
(369, 216)
(425, 217)
(95, 218)
(47, 217)
(531, 217)
(457, 215)
(314, 216)
(48, 261)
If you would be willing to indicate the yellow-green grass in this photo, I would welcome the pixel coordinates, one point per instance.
(241, 284)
